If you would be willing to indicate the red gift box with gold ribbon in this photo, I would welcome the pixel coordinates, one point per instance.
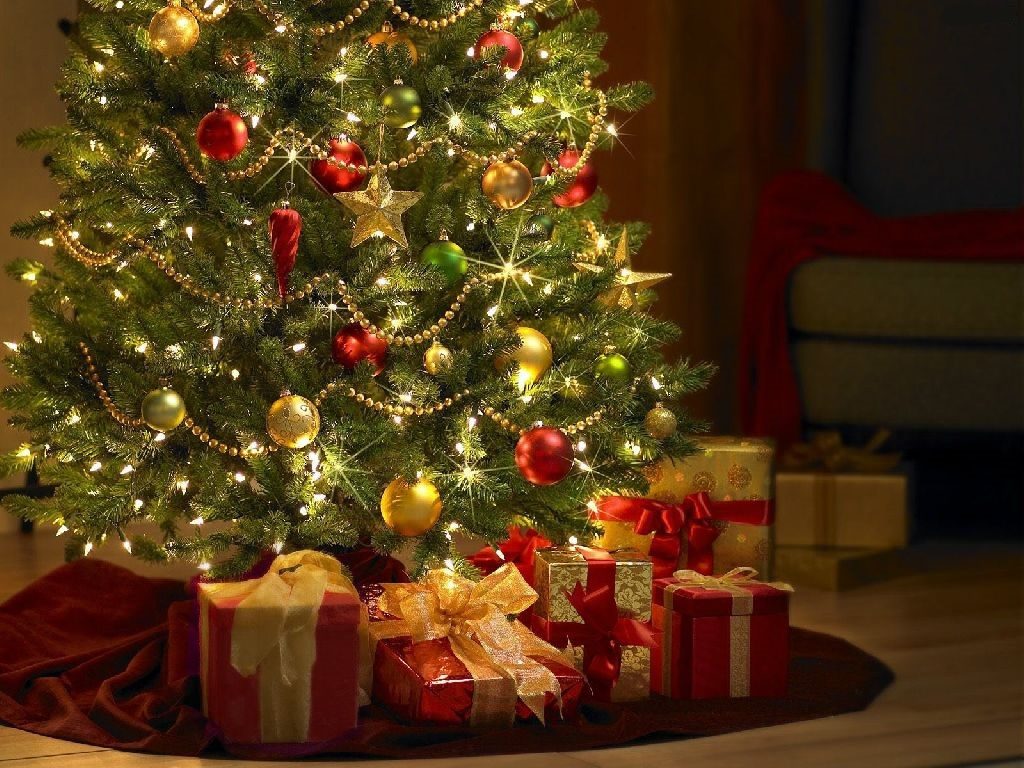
(445, 652)
(723, 637)
(282, 656)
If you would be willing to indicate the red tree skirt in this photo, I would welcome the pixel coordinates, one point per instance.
(82, 657)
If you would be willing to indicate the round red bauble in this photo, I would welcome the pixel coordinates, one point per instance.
(513, 58)
(222, 134)
(334, 178)
(544, 455)
(353, 343)
(583, 186)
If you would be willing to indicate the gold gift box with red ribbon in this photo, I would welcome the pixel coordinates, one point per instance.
(597, 604)
(284, 658)
(710, 513)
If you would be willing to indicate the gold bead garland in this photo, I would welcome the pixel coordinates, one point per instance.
(507, 424)
(596, 120)
(391, 409)
(95, 259)
(433, 24)
(329, 29)
(125, 420)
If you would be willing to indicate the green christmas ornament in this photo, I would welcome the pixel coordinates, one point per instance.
(614, 368)
(528, 29)
(402, 108)
(541, 225)
(446, 257)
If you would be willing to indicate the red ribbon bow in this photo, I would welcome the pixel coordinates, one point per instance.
(695, 517)
(519, 549)
(602, 635)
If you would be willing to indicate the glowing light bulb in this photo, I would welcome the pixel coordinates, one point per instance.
(62, 530)
(197, 521)
(204, 566)
(127, 469)
(96, 467)
(573, 541)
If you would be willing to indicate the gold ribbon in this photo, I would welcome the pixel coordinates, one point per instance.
(826, 451)
(474, 616)
(735, 582)
(273, 635)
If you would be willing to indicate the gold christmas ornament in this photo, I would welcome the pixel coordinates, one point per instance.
(378, 210)
(507, 185)
(387, 36)
(627, 282)
(410, 510)
(173, 31)
(534, 356)
(293, 421)
(163, 409)
(437, 359)
(660, 422)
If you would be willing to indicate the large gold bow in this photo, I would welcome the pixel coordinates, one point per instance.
(826, 450)
(737, 577)
(274, 634)
(474, 616)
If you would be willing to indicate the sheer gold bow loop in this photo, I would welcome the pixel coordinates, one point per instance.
(474, 616)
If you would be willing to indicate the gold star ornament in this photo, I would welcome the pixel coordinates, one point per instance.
(378, 210)
(627, 282)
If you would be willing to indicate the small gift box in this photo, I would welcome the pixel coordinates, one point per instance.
(281, 656)
(735, 475)
(720, 637)
(833, 495)
(445, 652)
(598, 604)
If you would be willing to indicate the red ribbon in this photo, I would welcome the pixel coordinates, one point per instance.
(519, 549)
(695, 517)
(602, 635)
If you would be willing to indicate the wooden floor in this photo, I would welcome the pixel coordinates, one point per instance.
(953, 635)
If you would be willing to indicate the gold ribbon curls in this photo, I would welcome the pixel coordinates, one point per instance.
(826, 451)
(474, 616)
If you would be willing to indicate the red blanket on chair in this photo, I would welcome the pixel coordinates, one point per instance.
(805, 215)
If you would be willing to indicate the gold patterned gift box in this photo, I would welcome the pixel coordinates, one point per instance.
(727, 469)
(591, 573)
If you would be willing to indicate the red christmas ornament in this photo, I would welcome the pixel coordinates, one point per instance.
(285, 230)
(582, 187)
(544, 455)
(334, 178)
(513, 58)
(222, 134)
(354, 343)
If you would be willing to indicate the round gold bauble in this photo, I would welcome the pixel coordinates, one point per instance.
(389, 37)
(173, 31)
(163, 409)
(293, 421)
(533, 356)
(507, 185)
(437, 359)
(660, 422)
(410, 510)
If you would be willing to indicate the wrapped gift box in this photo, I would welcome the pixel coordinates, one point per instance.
(280, 660)
(628, 574)
(426, 681)
(727, 469)
(838, 569)
(843, 509)
(720, 638)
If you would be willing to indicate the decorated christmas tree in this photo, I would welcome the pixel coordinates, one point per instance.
(336, 271)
